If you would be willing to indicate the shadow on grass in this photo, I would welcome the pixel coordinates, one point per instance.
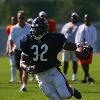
(79, 82)
(90, 92)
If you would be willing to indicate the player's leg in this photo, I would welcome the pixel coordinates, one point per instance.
(13, 69)
(24, 80)
(86, 72)
(65, 90)
(75, 66)
(50, 92)
(65, 59)
(62, 86)
(87, 75)
(47, 87)
(22, 73)
(17, 56)
(65, 67)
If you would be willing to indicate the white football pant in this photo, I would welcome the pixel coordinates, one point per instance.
(54, 85)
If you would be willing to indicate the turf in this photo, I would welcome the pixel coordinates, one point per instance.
(10, 91)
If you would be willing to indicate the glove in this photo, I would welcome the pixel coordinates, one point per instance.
(30, 69)
(83, 51)
(69, 46)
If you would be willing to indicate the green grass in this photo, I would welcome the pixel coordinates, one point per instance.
(11, 91)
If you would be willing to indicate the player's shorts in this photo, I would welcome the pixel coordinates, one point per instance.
(87, 61)
(68, 55)
(54, 85)
(17, 58)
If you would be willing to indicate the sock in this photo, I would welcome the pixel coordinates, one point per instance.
(13, 73)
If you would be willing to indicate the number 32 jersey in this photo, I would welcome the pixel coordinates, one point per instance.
(43, 53)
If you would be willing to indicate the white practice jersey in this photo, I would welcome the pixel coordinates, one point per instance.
(86, 34)
(17, 33)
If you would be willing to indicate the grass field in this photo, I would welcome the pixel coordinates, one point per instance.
(10, 91)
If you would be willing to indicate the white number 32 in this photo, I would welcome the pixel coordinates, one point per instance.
(38, 56)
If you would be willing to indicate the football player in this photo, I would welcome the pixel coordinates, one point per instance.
(51, 22)
(39, 54)
(69, 30)
(11, 57)
(86, 35)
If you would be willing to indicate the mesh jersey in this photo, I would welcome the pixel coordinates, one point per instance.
(69, 30)
(43, 54)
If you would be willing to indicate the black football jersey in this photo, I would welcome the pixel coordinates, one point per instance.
(43, 53)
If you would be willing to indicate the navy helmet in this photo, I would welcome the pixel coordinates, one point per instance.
(39, 27)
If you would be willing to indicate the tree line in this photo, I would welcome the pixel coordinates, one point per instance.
(57, 9)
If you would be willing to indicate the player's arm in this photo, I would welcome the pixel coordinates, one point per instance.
(11, 43)
(69, 46)
(10, 46)
(7, 48)
(24, 62)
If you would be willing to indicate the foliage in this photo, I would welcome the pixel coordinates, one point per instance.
(57, 9)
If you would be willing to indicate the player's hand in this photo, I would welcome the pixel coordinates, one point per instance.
(11, 52)
(69, 46)
(30, 69)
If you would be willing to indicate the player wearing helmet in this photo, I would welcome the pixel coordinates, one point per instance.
(40, 50)
(51, 22)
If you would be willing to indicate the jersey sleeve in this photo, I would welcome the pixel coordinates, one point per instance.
(64, 44)
(12, 34)
(60, 40)
(24, 45)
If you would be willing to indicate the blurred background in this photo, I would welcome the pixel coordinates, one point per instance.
(56, 9)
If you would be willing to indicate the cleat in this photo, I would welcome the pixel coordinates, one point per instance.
(77, 94)
(23, 89)
(90, 80)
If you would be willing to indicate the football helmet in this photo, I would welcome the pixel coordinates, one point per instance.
(39, 28)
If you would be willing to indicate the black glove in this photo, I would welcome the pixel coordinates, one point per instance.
(69, 46)
(30, 69)
(84, 51)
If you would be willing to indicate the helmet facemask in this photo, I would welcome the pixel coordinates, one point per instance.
(39, 28)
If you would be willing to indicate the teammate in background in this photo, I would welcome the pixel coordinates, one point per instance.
(86, 34)
(69, 30)
(11, 57)
(29, 21)
(18, 31)
(39, 55)
(51, 22)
